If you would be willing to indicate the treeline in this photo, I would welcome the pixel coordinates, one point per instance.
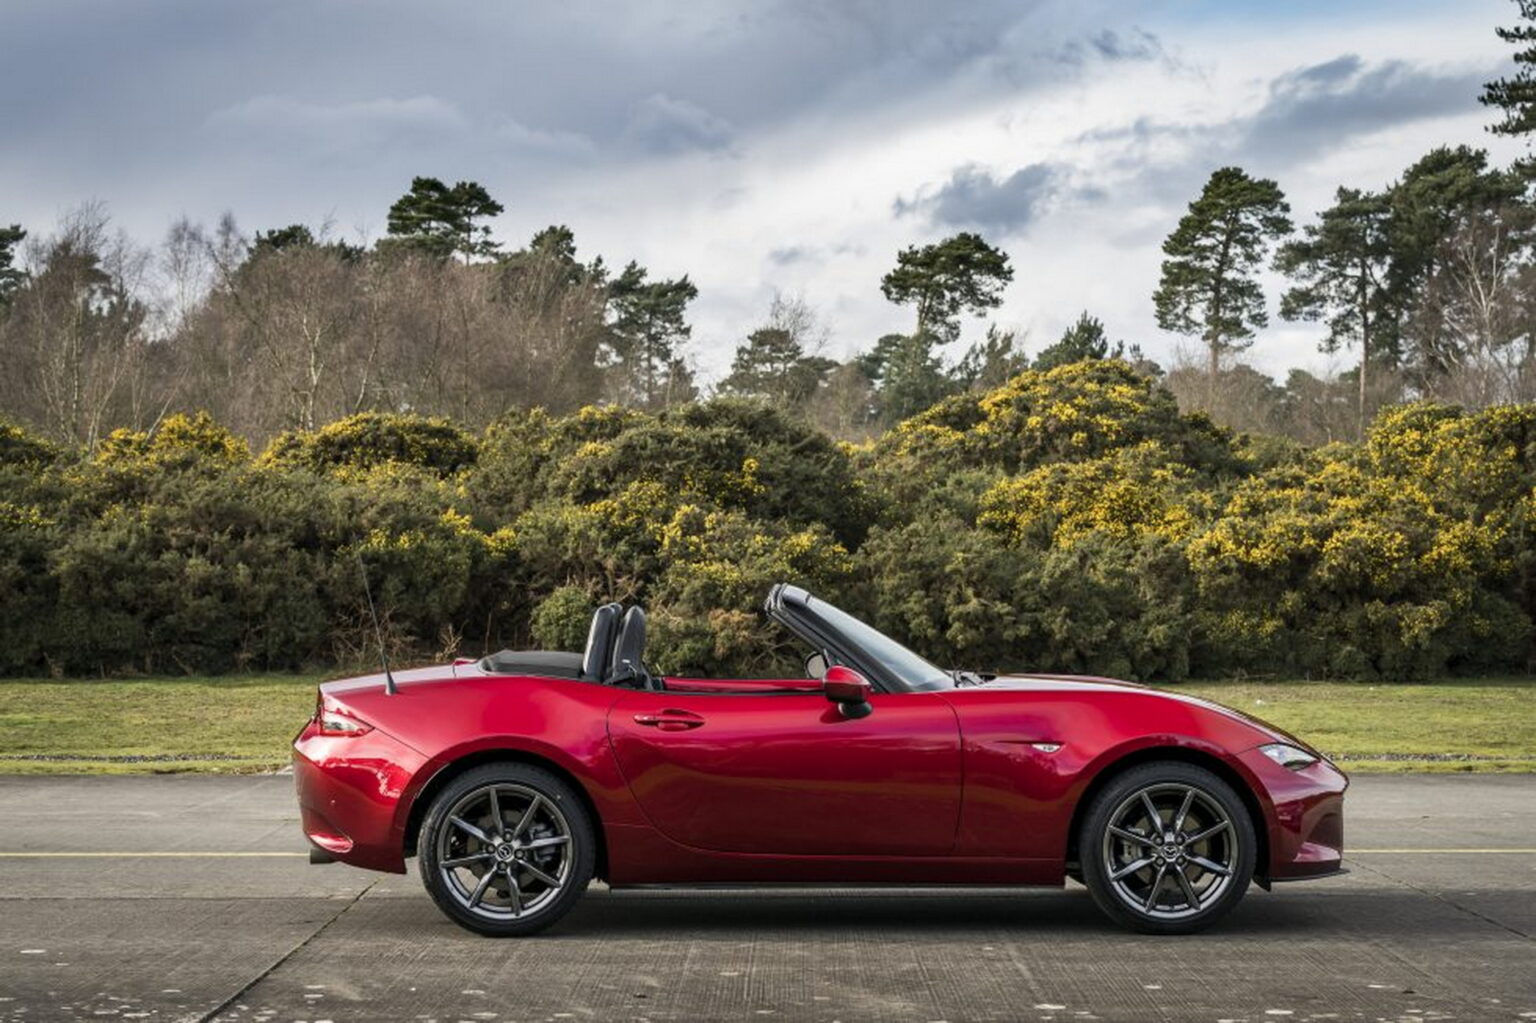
(1069, 520)
(1431, 282)
(1427, 282)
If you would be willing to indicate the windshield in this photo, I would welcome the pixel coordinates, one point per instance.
(913, 671)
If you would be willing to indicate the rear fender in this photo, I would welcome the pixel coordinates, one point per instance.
(597, 775)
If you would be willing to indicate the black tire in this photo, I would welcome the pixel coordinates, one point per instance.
(1146, 885)
(545, 834)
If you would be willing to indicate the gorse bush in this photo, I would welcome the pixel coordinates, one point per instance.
(1069, 520)
(369, 439)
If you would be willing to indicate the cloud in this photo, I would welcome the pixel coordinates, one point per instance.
(612, 117)
(793, 255)
(1310, 110)
(1138, 44)
(973, 197)
(662, 124)
(1135, 44)
(1320, 106)
(284, 115)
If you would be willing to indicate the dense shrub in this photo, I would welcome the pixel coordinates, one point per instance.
(371, 439)
(1070, 520)
(561, 620)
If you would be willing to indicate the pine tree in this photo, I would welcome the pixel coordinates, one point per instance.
(991, 362)
(943, 280)
(1209, 287)
(648, 326)
(772, 364)
(1085, 339)
(11, 276)
(444, 221)
(1515, 95)
(908, 376)
(1341, 268)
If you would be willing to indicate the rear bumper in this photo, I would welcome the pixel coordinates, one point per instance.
(1306, 817)
(349, 789)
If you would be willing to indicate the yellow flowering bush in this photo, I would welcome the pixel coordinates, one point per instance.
(1070, 520)
(373, 438)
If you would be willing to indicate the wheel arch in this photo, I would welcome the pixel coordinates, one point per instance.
(503, 755)
(1180, 754)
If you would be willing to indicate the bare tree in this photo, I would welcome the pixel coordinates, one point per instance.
(1476, 311)
(75, 338)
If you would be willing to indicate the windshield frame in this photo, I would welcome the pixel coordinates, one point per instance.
(889, 665)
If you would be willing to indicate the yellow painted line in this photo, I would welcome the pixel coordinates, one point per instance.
(1437, 852)
(122, 855)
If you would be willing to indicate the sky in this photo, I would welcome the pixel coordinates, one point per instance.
(759, 146)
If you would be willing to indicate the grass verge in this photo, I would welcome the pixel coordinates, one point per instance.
(231, 724)
(1459, 725)
(244, 724)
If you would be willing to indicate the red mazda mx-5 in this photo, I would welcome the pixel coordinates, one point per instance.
(516, 779)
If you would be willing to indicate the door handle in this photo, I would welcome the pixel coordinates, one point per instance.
(670, 720)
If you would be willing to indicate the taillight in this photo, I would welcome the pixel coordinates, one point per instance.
(334, 721)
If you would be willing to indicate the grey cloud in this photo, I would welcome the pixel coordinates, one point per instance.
(973, 197)
(1329, 72)
(791, 255)
(1138, 44)
(276, 114)
(1307, 112)
(664, 124)
(184, 108)
(1315, 108)
(1114, 46)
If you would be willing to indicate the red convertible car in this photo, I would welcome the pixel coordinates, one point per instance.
(516, 779)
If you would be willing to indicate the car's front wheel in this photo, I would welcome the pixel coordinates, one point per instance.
(506, 849)
(1167, 848)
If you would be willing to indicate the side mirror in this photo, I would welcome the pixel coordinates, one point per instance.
(815, 665)
(849, 690)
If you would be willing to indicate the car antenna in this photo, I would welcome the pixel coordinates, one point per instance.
(389, 680)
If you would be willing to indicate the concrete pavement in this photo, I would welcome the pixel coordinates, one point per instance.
(189, 898)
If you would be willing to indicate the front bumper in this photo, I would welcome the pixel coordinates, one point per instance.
(1305, 817)
(349, 790)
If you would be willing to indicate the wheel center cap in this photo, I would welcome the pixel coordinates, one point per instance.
(503, 853)
(1170, 850)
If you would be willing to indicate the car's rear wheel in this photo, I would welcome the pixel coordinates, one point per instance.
(506, 849)
(1167, 848)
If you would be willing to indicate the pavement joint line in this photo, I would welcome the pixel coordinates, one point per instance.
(1439, 897)
(213, 1013)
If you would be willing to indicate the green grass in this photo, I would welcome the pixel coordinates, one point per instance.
(1491, 722)
(244, 724)
(232, 724)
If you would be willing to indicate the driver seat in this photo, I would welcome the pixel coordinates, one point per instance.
(600, 643)
(626, 667)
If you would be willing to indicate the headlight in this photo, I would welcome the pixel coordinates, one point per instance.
(1288, 756)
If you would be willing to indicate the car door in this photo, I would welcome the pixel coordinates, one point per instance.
(787, 772)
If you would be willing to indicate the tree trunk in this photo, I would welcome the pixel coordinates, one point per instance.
(1365, 351)
(1213, 344)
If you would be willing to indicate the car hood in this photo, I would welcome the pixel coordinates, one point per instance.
(1091, 683)
(1076, 683)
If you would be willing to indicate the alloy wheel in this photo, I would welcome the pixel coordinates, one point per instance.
(1170, 850)
(504, 851)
